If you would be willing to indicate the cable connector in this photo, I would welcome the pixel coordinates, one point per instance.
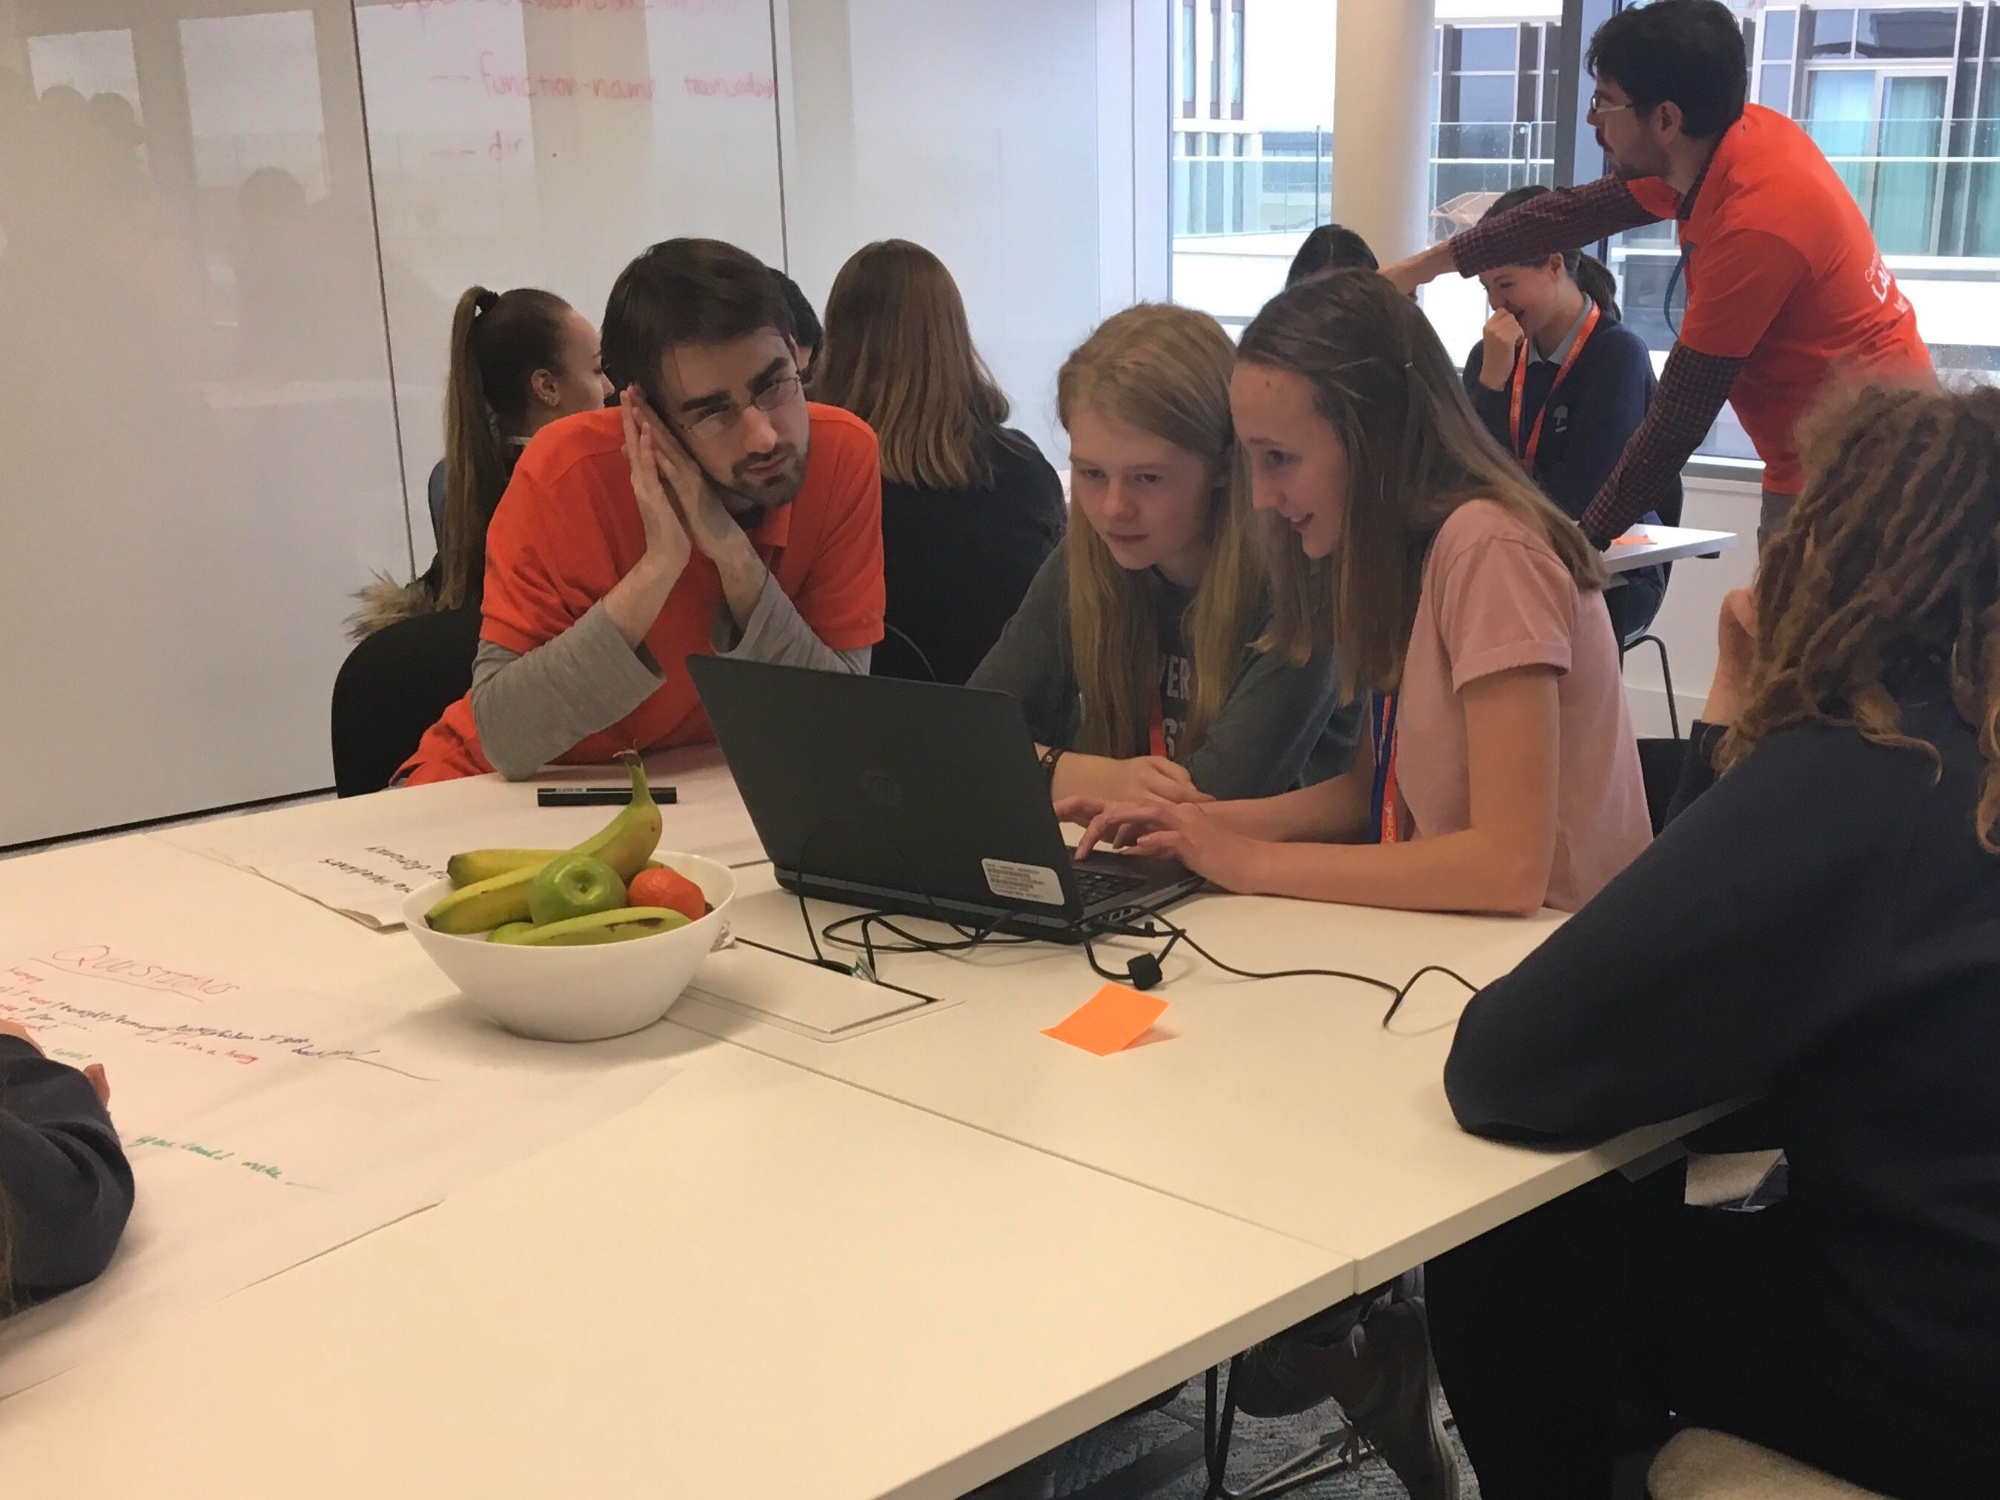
(1143, 972)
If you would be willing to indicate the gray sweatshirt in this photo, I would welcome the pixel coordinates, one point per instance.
(1282, 726)
(530, 708)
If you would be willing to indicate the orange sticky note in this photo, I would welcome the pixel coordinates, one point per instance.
(1109, 1021)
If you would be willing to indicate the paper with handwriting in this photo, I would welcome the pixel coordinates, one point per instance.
(360, 856)
(266, 1126)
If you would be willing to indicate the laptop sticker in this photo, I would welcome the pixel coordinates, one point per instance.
(1014, 882)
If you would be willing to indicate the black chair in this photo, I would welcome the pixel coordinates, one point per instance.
(896, 655)
(1660, 768)
(1670, 515)
(392, 687)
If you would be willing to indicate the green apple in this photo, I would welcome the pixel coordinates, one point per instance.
(573, 885)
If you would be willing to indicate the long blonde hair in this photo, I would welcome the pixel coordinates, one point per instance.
(1165, 371)
(898, 353)
(1415, 453)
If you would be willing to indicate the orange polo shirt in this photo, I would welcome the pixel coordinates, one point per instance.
(568, 528)
(1783, 274)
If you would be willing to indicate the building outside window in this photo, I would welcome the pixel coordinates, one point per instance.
(1249, 187)
(1903, 99)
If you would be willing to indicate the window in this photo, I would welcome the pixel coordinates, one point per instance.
(1905, 33)
(1243, 198)
(1235, 59)
(1187, 58)
(91, 62)
(1883, 132)
(1495, 117)
(1774, 71)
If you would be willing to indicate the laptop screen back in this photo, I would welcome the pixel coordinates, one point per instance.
(898, 786)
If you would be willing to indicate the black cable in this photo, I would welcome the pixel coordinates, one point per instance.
(1142, 972)
(1177, 934)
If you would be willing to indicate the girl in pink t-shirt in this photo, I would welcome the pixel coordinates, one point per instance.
(1502, 774)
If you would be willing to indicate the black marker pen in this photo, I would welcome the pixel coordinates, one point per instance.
(598, 796)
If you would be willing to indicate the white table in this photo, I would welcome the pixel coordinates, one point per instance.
(1280, 1102)
(1651, 545)
(907, 1261)
(759, 1282)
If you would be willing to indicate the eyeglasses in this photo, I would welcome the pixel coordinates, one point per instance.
(1600, 108)
(772, 397)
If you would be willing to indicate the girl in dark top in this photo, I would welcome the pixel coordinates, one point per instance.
(1133, 654)
(519, 361)
(1331, 247)
(1816, 927)
(1563, 384)
(969, 506)
(65, 1187)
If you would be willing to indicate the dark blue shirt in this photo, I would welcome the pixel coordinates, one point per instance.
(1601, 404)
(1593, 415)
(63, 1173)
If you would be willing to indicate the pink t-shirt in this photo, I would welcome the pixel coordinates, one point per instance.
(1496, 597)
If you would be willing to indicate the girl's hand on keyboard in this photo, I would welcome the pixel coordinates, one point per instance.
(1183, 830)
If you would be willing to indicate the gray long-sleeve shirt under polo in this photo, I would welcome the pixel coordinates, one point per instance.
(531, 707)
(1282, 726)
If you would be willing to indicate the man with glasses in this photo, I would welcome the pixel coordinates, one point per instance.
(713, 510)
(1785, 287)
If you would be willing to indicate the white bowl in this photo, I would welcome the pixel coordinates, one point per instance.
(584, 993)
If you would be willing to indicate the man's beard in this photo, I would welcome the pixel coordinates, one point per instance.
(1626, 171)
(751, 496)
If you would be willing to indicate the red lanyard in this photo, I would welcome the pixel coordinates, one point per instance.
(1526, 451)
(1388, 823)
(1156, 734)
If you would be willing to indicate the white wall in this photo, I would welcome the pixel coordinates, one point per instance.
(972, 128)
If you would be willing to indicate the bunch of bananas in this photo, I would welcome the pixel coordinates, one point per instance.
(561, 898)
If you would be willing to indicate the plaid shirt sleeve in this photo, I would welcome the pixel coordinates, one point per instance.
(1566, 219)
(1692, 389)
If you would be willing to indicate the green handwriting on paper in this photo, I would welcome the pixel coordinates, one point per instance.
(212, 1153)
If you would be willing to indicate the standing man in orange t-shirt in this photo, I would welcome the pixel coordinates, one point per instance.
(1785, 287)
(713, 511)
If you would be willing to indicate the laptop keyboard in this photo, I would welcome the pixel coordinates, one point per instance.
(1095, 886)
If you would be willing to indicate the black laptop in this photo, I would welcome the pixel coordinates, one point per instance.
(914, 797)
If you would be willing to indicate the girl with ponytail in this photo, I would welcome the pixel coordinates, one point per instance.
(519, 361)
(1563, 384)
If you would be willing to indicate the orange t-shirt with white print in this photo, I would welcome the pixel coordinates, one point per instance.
(1782, 273)
(568, 528)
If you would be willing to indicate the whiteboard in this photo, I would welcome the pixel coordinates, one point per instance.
(224, 387)
(195, 411)
(545, 143)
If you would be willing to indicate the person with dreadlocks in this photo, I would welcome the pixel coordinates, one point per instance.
(1818, 925)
